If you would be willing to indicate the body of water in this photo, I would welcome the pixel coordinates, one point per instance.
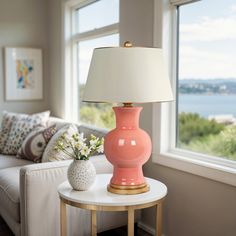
(207, 105)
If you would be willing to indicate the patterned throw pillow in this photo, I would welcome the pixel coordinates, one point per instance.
(20, 128)
(50, 154)
(7, 119)
(35, 143)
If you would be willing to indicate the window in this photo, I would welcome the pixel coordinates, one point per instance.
(206, 72)
(96, 25)
(198, 38)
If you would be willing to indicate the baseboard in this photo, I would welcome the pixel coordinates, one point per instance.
(147, 228)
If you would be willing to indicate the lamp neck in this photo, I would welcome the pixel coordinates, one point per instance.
(127, 117)
(127, 104)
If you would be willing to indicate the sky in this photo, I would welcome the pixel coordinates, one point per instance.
(208, 40)
(97, 15)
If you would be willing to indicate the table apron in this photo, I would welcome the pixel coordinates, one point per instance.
(95, 207)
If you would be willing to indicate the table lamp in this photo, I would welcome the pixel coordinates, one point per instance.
(127, 75)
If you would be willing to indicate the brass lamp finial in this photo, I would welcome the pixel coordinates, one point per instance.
(128, 44)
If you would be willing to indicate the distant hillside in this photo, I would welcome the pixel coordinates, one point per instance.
(213, 86)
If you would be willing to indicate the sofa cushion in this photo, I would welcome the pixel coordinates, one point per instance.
(20, 128)
(9, 191)
(7, 161)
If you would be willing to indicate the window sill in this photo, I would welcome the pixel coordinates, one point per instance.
(214, 171)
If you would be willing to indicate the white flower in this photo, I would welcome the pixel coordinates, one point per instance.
(80, 145)
(100, 149)
(85, 151)
(93, 142)
(81, 137)
(75, 145)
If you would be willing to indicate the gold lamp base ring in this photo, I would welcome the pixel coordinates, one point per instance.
(128, 190)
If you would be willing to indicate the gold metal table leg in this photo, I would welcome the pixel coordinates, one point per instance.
(159, 219)
(63, 218)
(94, 223)
(130, 221)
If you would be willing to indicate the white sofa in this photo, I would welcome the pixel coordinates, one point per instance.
(29, 201)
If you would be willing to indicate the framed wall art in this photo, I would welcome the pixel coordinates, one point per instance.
(23, 74)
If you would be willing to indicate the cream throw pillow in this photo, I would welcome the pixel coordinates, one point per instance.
(50, 154)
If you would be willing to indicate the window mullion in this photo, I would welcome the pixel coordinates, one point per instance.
(107, 30)
(177, 78)
(182, 2)
(83, 3)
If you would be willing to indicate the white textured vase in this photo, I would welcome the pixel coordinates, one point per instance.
(81, 174)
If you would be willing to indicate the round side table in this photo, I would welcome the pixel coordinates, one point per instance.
(97, 198)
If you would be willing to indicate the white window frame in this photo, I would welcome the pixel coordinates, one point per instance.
(164, 115)
(69, 48)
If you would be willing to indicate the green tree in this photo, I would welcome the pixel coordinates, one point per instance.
(220, 145)
(90, 115)
(192, 127)
(108, 118)
(101, 116)
(225, 145)
(98, 114)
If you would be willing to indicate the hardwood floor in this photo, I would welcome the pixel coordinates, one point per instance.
(123, 232)
(5, 231)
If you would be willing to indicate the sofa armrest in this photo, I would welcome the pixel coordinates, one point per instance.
(39, 201)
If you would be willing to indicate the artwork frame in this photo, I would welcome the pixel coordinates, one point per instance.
(23, 74)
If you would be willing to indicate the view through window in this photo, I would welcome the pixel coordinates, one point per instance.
(207, 78)
(98, 21)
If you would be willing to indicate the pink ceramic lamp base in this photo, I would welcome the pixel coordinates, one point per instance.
(127, 147)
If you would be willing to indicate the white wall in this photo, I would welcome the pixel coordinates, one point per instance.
(23, 23)
(55, 44)
(194, 206)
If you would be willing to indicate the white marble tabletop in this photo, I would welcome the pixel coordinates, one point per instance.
(98, 194)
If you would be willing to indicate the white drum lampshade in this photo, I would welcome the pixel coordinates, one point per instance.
(127, 75)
